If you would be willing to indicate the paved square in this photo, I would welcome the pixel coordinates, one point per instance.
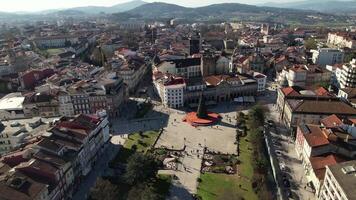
(220, 138)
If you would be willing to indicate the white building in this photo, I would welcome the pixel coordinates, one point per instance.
(187, 68)
(11, 106)
(339, 182)
(348, 75)
(327, 56)
(261, 81)
(342, 40)
(171, 90)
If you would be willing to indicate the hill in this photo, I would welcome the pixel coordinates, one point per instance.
(112, 9)
(228, 11)
(327, 6)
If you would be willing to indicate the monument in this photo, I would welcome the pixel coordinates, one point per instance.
(202, 117)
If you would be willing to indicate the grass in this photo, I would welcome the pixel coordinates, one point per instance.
(222, 186)
(54, 51)
(136, 143)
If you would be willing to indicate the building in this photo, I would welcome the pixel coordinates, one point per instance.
(31, 78)
(304, 76)
(11, 106)
(348, 75)
(55, 41)
(130, 66)
(327, 56)
(17, 132)
(342, 40)
(297, 106)
(261, 81)
(186, 68)
(339, 182)
(53, 162)
(323, 145)
(348, 94)
(40, 104)
(92, 96)
(171, 90)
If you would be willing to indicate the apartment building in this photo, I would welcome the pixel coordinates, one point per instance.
(339, 182)
(304, 75)
(348, 75)
(342, 39)
(170, 89)
(327, 56)
(52, 163)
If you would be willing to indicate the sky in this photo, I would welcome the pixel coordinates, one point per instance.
(38, 5)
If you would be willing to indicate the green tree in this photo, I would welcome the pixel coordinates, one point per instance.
(104, 189)
(257, 116)
(140, 168)
(143, 191)
(310, 43)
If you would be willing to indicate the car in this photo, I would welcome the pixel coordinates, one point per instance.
(278, 153)
(282, 165)
(286, 183)
(270, 123)
(289, 193)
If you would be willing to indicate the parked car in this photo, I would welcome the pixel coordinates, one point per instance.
(286, 183)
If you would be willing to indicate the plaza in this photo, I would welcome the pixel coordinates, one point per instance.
(180, 135)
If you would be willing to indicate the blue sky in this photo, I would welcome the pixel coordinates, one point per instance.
(37, 5)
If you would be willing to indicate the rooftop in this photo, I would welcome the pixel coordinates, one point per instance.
(12, 101)
(345, 174)
(321, 107)
(313, 134)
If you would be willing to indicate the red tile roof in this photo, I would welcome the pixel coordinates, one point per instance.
(319, 164)
(315, 136)
(289, 91)
(331, 121)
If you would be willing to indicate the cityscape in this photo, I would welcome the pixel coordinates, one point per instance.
(210, 100)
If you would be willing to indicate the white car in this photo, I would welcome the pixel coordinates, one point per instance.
(282, 165)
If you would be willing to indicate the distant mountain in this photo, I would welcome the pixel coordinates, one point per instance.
(226, 11)
(112, 9)
(327, 6)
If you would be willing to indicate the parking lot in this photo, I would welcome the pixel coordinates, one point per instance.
(290, 172)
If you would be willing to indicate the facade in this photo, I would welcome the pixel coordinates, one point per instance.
(91, 96)
(130, 66)
(29, 79)
(261, 81)
(339, 182)
(297, 106)
(303, 76)
(186, 68)
(327, 56)
(53, 162)
(171, 90)
(342, 40)
(55, 41)
(40, 104)
(348, 75)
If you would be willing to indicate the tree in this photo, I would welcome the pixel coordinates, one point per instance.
(310, 43)
(104, 189)
(140, 168)
(256, 116)
(143, 191)
(201, 112)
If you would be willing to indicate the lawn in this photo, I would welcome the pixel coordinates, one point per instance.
(54, 51)
(222, 186)
(136, 142)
